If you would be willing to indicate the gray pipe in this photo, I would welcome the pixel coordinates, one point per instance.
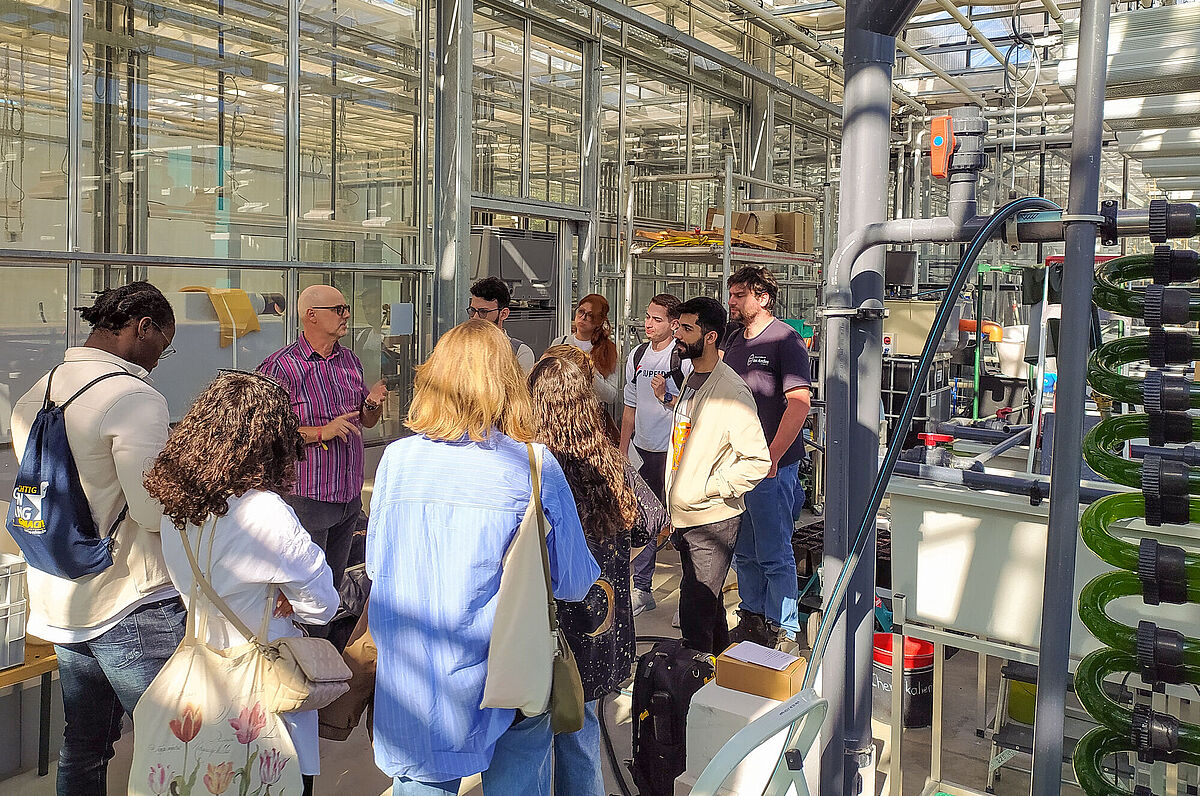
(1074, 338)
(1000, 447)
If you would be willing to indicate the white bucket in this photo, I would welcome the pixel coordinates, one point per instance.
(1011, 350)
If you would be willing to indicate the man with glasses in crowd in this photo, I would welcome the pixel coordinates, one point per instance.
(325, 382)
(490, 298)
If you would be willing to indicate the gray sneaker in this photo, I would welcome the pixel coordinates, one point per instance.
(643, 601)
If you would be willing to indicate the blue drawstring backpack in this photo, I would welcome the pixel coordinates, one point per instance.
(49, 517)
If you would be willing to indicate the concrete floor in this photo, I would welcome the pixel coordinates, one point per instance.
(349, 768)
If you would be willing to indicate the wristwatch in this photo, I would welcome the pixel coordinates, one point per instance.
(369, 405)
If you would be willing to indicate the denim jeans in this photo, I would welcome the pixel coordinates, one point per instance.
(577, 758)
(102, 680)
(704, 554)
(653, 471)
(763, 558)
(520, 765)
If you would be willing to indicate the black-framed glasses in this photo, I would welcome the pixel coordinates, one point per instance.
(473, 311)
(167, 348)
(340, 309)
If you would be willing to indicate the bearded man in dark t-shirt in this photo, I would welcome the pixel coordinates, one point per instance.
(772, 359)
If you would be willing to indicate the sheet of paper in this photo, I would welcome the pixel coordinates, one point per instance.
(749, 652)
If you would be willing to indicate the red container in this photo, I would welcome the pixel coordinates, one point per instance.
(917, 654)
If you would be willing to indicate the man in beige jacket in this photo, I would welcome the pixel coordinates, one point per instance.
(113, 630)
(718, 454)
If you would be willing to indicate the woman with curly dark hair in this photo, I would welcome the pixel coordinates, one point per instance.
(221, 479)
(618, 513)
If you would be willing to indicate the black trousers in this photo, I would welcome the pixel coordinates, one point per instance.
(331, 526)
(705, 551)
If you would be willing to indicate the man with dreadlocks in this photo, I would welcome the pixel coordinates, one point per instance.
(113, 630)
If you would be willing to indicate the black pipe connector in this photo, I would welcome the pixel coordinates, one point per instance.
(1166, 305)
(1165, 428)
(1164, 393)
(1162, 569)
(1172, 347)
(1155, 735)
(1160, 654)
(1175, 265)
(1108, 228)
(1165, 486)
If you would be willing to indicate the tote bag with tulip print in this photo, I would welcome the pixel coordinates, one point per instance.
(201, 727)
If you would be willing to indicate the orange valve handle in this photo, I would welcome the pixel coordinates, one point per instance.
(994, 331)
(942, 143)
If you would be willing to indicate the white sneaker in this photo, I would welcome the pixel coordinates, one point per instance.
(675, 619)
(642, 601)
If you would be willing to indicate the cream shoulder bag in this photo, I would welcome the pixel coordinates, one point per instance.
(530, 666)
(301, 672)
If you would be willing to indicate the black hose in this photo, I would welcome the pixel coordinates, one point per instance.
(613, 762)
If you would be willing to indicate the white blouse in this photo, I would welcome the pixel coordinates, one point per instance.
(258, 546)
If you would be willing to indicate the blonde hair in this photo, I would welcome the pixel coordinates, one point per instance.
(471, 385)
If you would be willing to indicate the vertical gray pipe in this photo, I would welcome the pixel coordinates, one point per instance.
(853, 397)
(1057, 597)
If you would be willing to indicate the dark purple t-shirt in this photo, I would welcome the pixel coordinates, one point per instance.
(771, 364)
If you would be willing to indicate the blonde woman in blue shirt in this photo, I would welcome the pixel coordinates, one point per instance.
(446, 504)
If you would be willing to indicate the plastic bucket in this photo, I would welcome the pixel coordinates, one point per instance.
(917, 710)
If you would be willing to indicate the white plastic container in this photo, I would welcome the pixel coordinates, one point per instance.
(12, 578)
(1012, 351)
(12, 634)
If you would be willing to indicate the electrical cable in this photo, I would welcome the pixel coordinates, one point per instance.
(613, 762)
(994, 224)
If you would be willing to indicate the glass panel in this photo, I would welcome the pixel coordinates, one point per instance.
(610, 132)
(555, 117)
(359, 122)
(716, 130)
(498, 87)
(33, 125)
(655, 138)
(33, 336)
(183, 108)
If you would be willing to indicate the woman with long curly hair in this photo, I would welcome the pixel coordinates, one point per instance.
(618, 512)
(591, 332)
(221, 480)
(446, 506)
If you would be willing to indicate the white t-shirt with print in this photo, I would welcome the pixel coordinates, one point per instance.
(652, 422)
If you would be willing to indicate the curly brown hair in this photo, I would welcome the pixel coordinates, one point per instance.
(567, 420)
(240, 434)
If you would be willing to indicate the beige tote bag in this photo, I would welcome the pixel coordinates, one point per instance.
(204, 727)
(522, 648)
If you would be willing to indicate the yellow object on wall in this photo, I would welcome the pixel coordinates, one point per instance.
(232, 305)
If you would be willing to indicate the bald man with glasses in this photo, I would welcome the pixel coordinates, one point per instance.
(325, 382)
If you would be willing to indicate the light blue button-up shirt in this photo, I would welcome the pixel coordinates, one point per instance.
(442, 515)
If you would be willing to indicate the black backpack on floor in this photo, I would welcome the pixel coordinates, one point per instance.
(666, 678)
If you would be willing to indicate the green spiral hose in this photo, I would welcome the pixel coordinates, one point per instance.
(1102, 448)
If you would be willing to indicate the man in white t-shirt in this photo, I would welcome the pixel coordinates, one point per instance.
(490, 298)
(646, 421)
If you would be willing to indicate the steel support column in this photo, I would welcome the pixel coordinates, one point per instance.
(589, 243)
(761, 152)
(852, 365)
(1083, 198)
(453, 116)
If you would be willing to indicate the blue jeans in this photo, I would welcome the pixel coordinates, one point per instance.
(520, 765)
(653, 471)
(577, 758)
(102, 680)
(763, 557)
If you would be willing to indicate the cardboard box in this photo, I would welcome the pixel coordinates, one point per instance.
(796, 232)
(742, 222)
(761, 681)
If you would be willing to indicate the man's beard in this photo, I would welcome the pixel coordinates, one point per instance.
(686, 351)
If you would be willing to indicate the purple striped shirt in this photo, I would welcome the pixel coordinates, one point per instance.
(321, 389)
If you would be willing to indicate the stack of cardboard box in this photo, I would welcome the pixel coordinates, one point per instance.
(791, 232)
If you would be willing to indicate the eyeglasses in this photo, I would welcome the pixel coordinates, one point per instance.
(167, 349)
(584, 314)
(340, 309)
(473, 311)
